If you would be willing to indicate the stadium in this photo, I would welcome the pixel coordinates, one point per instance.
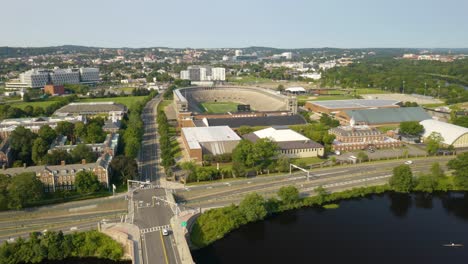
(190, 99)
(196, 103)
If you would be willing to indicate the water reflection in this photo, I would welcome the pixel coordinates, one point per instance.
(389, 228)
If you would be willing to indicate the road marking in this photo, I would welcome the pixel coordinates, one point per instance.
(153, 229)
(164, 247)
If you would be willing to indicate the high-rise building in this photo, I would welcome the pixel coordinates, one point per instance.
(218, 74)
(64, 76)
(203, 73)
(38, 78)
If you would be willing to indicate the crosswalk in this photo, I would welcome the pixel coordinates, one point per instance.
(150, 186)
(153, 229)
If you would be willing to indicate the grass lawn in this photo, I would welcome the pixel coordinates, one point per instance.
(219, 107)
(163, 104)
(40, 103)
(384, 129)
(127, 101)
(308, 161)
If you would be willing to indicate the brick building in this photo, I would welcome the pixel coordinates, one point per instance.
(52, 89)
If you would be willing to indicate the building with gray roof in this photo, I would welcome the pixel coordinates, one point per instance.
(335, 106)
(117, 111)
(383, 116)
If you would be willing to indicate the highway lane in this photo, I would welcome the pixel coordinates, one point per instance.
(206, 194)
(151, 214)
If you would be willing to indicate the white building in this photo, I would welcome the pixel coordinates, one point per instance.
(290, 143)
(238, 53)
(313, 76)
(64, 76)
(454, 135)
(218, 74)
(185, 75)
(37, 78)
(287, 55)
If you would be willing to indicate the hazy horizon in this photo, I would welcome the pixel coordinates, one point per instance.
(296, 24)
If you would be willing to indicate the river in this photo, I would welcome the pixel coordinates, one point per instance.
(389, 228)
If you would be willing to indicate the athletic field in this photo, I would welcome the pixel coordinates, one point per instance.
(219, 107)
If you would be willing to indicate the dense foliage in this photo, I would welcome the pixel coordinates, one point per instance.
(8, 111)
(411, 128)
(134, 130)
(438, 79)
(19, 191)
(57, 246)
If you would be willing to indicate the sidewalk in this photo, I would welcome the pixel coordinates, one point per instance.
(129, 236)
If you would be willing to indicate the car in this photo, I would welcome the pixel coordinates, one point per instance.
(165, 232)
(408, 162)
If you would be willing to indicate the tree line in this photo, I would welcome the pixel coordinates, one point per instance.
(32, 148)
(57, 246)
(434, 78)
(8, 111)
(133, 127)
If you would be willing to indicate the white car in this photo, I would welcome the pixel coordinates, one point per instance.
(165, 232)
(408, 162)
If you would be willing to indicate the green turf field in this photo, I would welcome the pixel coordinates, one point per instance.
(219, 107)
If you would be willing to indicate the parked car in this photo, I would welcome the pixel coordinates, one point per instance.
(165, 232)
(408, 162)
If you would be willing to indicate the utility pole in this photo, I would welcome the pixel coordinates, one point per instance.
(425, 88)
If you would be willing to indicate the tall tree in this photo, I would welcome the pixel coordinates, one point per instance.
(83, 152)
(460, 167)
(433, 142)
(123, 168)
(411, 128)
(21, 141)
(24, 188)
(402, 179)
(94, 133)
(288, 194)
(39, 150)
(66, 129)
(86, 182)
(47, 134)
(253, 207)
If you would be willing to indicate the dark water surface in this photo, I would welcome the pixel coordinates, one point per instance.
(390, 228)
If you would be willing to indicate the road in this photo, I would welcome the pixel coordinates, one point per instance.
(340, 177)
(152, 214)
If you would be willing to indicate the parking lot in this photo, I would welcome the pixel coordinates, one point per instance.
(403, 152)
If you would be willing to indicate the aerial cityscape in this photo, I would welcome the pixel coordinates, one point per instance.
(178, 132)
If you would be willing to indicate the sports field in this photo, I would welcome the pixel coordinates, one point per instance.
(219, 107)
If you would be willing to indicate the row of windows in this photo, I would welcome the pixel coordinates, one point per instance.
(297, 151)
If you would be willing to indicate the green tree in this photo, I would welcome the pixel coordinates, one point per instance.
(123, 168)
(94, 133)
(264, 150)
(411, 128)
(39, 150)
(436, 170)
(80, 130)
(243, 156)
(402, 179)
(283, 163)
(362, 156)
(86, 182)
(4, 183)
(47, 134)
(23, 189)
(460, 167)
(289, 194)
(56, 157)
(426, 183)
(243, 130)
(66, 129)
(433, 142)
(253, 207)
(21, 142)
(83, 152)
(322, 194)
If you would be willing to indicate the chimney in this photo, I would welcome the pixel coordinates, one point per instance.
(62, 163)
(24, 165)
(83, 161)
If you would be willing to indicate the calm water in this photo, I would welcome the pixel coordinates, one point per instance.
(387, 228)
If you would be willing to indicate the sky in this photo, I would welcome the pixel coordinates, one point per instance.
(234, 24)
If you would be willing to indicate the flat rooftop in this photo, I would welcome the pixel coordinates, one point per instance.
(196, 135)
(280, 135)
(355, 103)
